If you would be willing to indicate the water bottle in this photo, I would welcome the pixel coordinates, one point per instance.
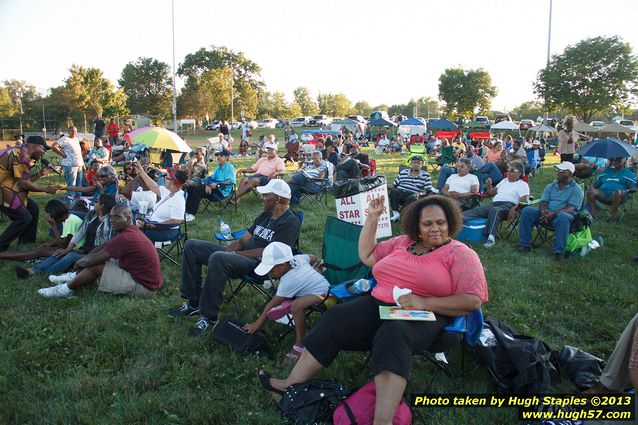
(361, 286)
(224, 229)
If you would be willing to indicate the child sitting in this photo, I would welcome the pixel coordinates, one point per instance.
(300, 287)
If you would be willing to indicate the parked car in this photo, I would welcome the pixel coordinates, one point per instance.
(319, 121)
(211, 126)
(502, 117)
(626, 123)
(280, 124)
(357, 118)
(267, 123)
(483, 118)
(550, 121)
(375, 115)
(300, 121)
(236, 125)
(526, 124)
(597, 123)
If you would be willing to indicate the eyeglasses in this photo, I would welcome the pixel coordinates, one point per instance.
(513, 171)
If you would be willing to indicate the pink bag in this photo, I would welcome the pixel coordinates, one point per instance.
(358, 409)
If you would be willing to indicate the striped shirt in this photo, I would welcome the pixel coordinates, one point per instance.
(406, 183)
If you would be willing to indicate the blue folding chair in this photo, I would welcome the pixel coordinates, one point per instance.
(463, 328)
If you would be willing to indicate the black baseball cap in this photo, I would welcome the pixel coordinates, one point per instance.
(38, 140)
(416, 158)
(223, 152)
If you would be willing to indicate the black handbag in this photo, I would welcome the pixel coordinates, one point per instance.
(582, 368)
(312, 402)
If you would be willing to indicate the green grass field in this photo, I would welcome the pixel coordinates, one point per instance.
(102, 359)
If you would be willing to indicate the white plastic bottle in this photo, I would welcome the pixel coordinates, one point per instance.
(361, 286)
(224, 229)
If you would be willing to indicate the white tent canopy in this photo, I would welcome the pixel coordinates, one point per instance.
(350, 125)
(504, 125)
(615, 128)
(409, 130)
(542, 129)
(583, 127)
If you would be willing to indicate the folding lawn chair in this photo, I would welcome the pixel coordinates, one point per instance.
(174, 243)
(447, 157)
(463, 328)
(222, 203)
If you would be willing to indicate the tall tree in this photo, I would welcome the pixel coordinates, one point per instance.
(594, 75)
(465, 92)
(22, 97)
(305, 101)
(334, 105)
(362, 108)
(147, 83)
(89, 92)
(246, 74)
(207, 95)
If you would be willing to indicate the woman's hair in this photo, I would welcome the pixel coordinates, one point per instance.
(465, 161)
(568, 123)
(411, 217)
(107, 171)
(181, 177)
(519, 167)
(107, 202)
(56, 209)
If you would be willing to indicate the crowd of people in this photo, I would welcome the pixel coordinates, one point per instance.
(113, 240)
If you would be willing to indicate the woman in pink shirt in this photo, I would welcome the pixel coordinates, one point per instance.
(445, 277)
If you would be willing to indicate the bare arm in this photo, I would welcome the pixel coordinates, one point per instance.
(254, 327)
(93, 259)
(453, 306)
(368, 236)
(150, 183)
(55, 147)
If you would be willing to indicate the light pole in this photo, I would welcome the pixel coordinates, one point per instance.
(549, 43)
(232, 97)
(174, 87)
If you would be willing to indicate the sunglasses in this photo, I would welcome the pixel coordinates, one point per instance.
(513, 171)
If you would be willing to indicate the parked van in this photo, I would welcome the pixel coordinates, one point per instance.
(375, 115)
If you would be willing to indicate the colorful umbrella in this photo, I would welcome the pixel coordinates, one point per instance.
(159, 138)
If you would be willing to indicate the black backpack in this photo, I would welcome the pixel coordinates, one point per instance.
(520, 364)
(312, 402)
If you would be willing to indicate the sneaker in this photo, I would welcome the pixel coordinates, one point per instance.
(202, 325)
(490, 242)
(23, 272)
(63, 278)
(395, 216)
(184, 310)
(189, 218)
(57, 291)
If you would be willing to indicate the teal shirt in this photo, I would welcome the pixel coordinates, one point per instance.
(558, 198)
(225, 173)
(610, 180)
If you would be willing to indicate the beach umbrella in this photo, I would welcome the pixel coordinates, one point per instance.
(583, 127)
(542, 129)
(159, 138)
(608, 148)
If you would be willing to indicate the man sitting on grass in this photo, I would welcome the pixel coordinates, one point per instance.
(611, 187)
(277, 223)
(127, 265)
(265, 169)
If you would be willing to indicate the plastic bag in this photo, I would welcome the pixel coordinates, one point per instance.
(582, 368)
(576, 240)
(354, 186)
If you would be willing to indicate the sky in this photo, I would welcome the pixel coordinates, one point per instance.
(378, 51)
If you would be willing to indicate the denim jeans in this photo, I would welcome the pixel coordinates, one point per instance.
(494, 213)
(56, 265)
(561, 223)
(222, 266)
(72, 177)
(23, 226)
(297, 181)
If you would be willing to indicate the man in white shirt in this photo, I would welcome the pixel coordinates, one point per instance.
(72, 163)
(507, 195)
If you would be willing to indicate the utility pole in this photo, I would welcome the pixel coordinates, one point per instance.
(549, 43)
(232, 97)
(174, 86)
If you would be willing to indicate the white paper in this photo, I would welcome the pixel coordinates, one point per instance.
(398, 293)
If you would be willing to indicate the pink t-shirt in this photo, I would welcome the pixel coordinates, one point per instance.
(268, 167)
(452, 269)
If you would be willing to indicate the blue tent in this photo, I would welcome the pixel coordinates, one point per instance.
(442, 124)
(412, 121)
(382, 123)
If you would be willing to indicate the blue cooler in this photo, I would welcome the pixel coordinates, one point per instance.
(472, 230)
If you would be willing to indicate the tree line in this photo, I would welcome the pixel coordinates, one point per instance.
(595, 77)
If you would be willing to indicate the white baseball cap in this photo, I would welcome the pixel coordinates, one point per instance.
(275, 253)
(269, 145)
(566, 165)
(276, 186)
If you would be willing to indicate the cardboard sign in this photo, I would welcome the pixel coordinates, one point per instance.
(354, 209)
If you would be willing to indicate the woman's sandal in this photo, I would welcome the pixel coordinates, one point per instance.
(293, 355)
(264, 380)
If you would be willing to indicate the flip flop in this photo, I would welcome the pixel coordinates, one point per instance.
(294, 354)
(264, 380)
(279, 311)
